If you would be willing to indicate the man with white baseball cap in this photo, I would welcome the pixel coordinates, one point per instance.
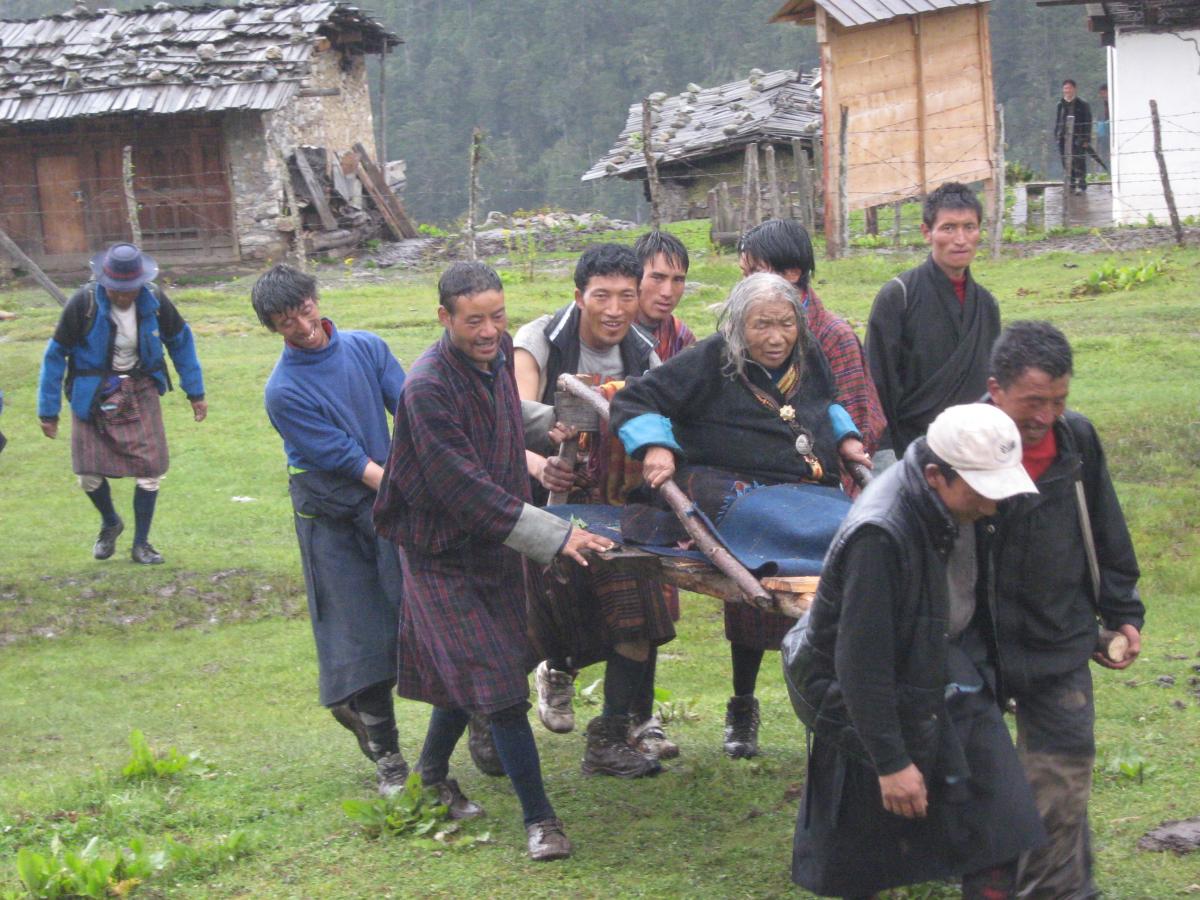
(912, 774)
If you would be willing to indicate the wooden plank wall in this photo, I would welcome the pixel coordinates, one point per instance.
(919, 90)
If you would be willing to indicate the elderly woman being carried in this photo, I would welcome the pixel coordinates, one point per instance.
(751, 405)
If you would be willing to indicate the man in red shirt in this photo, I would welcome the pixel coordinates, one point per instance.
(1050, 590)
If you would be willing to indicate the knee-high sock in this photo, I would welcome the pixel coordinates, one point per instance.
(446, 725)
(643, 701)
(101, 498)
(519, 754)
(622, 678)
(746, 663)
(377, 710)
(143, 514)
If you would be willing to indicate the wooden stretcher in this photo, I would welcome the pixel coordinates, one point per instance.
(581, 406)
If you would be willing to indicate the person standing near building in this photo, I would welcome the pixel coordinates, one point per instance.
(931, 328)
(1074, 157)
(1049, 596)
(328, 397)
(109, 345)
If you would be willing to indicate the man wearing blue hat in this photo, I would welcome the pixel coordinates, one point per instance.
(109, 344)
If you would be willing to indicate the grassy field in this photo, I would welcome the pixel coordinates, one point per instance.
(211, 653)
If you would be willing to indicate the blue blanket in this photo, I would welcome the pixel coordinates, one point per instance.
(781, 529)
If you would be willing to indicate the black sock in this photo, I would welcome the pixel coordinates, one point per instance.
(622, 678)
(746, 663)
(519, 754)
(143, 514)
(446, 725)
(375, 707)
(101, 498)
(643, 701)
(558, 663)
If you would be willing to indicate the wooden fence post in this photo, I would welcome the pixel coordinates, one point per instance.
(897, 209)
(804, 186)
(473, 191)
(998, 180)
(840, 232)
(728, 220)
(773, 182)
(289, 193)
(1068, 168)
(1162, 173)
(131, 206)
(651, 163)
(871, 220)
(381, 148)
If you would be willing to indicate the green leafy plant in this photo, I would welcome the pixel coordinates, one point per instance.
(1129, 764)
(522, 249)
(432, 231)
(414, 812)
(146, 762)
(672, 710)
(870, 241)
(1112, 277)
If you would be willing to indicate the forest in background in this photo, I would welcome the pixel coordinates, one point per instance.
(550, 82)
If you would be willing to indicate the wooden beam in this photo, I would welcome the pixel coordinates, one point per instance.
(316, 191)
(9, 246)
(319, 92)
(388, 203)
(922, 119)
(828, 146)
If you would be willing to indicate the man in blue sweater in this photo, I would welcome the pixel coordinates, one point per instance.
(328, 397)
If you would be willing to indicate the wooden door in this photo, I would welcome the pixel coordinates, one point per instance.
(61, 197)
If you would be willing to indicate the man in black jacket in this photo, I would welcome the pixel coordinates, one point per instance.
(931, 328)
(912, 775)
(1048, 600)
(1074, 157)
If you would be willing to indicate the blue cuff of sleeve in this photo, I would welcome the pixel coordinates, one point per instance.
(843, 425)
(648, 429)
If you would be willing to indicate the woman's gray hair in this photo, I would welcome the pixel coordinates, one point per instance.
(758, 288)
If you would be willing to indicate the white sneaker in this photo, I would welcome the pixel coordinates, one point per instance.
(555, 692)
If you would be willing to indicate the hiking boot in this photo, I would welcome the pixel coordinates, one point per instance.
(741, 727)
(391, 771)
(348, 718)
(556, 691)
(483, 748)
(146, 555)
(547, 841)
(106, 541)
(608, 751)
(650, 739)
(451, 796)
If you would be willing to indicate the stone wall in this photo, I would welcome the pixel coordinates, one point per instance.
(336, 122)
(257, 186)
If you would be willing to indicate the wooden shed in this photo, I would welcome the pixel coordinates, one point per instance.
(916, 77)
(700, 137)
(208, 98)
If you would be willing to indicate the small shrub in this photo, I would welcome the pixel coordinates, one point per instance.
(432, 231)
(870, 241)
(149, 763)
(671, 710)
(1112, 277)
(414, 812)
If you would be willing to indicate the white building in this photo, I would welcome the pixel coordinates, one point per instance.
(1153, 54)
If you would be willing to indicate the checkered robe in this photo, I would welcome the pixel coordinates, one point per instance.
(851, 376)
(455, 485)
(125, 437)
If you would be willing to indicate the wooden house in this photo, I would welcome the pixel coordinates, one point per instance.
(1153, 54)
(699, 137)
(210, 99)
(916, 77)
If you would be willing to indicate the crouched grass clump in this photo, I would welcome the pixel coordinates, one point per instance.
(416, 813)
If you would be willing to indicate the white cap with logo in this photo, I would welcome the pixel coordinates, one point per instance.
(982, 444)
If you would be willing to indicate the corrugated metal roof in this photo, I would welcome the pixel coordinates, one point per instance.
(780, 104)
(862, 12)
(166, 59)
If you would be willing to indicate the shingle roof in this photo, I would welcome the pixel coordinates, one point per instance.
(167, 59)
(780, 104)
(862, 12)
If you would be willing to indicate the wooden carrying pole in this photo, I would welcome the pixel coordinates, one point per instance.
(686, 511)
(1162, 173)
(1068, 168)
(9, 246)
(651, 163)
(131, 206)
